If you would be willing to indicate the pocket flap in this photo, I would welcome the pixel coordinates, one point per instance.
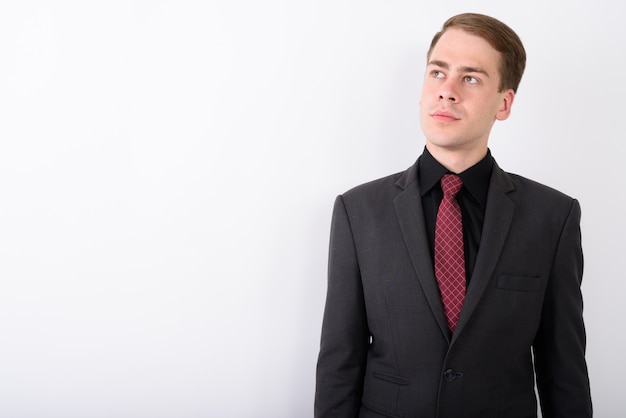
(398, 380)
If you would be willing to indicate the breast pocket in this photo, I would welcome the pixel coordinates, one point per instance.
(519, 283)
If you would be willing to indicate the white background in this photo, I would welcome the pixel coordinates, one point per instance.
(168, 169)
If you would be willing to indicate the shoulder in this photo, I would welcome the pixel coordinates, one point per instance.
(373, 187)
(534, 188)
(374, 200)
(540, 200)
(384, 187)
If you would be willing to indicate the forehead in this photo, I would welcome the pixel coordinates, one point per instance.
(457, 47)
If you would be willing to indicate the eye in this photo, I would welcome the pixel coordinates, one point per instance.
(437, 74)
(470, 80)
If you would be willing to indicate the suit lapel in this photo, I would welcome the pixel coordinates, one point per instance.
(408, 205)
(498, 216)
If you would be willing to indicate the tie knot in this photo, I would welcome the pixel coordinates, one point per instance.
(451, 184)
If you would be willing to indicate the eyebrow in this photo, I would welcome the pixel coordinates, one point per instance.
(463, 69)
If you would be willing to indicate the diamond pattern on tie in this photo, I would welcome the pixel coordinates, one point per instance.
(449, 251)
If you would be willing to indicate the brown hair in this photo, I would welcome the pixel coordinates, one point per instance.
(501, 37)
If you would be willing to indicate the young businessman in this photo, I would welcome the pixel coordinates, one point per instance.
(453, 285)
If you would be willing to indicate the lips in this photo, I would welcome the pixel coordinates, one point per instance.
(444, 116)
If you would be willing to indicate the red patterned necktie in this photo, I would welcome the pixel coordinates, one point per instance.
(449, 252)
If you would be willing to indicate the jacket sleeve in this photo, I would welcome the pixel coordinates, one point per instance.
(559, 348)
(345, 335)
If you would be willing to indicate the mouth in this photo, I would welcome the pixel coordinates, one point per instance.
(444, 116)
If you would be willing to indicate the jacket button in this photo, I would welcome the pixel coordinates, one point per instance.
(451, 375)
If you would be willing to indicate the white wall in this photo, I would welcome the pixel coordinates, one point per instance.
(168, 168)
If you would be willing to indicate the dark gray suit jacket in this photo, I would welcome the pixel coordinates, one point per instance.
(385, 348)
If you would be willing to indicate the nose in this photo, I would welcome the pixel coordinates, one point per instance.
(447, 96)
(448, 92)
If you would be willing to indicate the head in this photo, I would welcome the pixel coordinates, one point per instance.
(473, 70)
(501, 37)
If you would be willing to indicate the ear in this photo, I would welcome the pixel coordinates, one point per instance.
(505, 108)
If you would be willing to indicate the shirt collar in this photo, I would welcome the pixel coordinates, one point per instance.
(475, 179)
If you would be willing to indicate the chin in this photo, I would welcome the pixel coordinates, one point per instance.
(441, 140)
(449, 145)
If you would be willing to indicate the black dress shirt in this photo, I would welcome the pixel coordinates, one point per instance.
(472, 198)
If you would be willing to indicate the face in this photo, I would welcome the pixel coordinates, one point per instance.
(460, 99)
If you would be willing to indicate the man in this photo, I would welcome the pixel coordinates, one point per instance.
(450, 303)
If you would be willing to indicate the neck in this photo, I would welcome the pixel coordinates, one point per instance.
(456, 161)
